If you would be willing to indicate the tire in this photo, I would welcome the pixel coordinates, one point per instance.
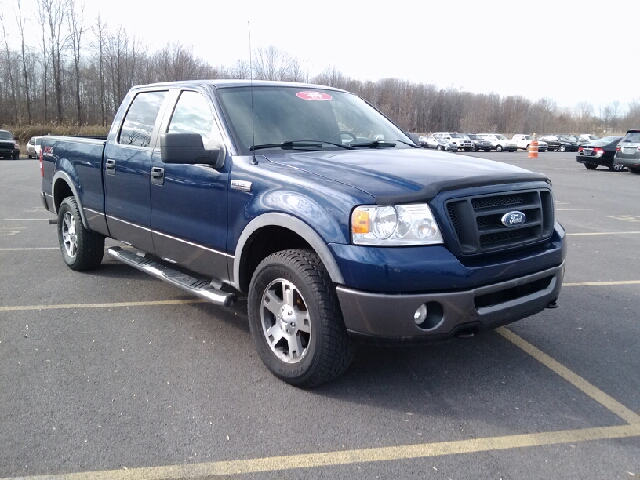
(81, 249)
(590, 166)
(487, 149)
(634, 170)
(562, 148)
(439, 147)
(315, 326)
(16, 156)
(616, 167)
(498, 148)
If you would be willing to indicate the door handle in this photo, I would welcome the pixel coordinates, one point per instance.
(110, 166)
(157, 175)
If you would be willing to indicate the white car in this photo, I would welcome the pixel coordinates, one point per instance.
(459, 139)
(500, 142)
(34, 147)
(523, 141)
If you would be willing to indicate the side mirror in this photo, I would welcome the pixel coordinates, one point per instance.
(187, 149)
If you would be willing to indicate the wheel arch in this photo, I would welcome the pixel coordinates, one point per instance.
(272, 232)
(64, 187)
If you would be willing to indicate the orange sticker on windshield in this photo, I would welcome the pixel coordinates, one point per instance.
(313, 96)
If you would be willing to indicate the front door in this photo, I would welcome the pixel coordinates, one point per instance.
(189, 202)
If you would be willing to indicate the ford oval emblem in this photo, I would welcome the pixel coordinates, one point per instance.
(513, 219)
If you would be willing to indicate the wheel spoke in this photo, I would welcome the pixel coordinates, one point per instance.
(272, 303)
(303, 323)
(274, 334)
(287, 293)
(295, 347)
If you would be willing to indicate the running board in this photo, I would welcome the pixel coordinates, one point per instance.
(181, 280)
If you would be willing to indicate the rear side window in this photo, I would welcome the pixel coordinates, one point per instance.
(633, 137)
(141, 118)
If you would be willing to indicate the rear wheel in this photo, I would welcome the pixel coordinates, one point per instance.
(562, 148)
(498, 148)
(81, 248)
(16, 156)
(296, 321)
(634, 170)
(439, 147)
(590, 166)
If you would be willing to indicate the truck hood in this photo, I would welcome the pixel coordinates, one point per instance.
(404, 175)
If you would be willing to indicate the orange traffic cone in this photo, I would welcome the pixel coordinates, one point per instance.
(533, 148)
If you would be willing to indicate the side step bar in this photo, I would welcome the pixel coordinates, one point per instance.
(181, 280)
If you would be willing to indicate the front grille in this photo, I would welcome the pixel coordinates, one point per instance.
(478, 226)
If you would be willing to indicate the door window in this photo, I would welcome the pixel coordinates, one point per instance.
(193, 115)
(141, 118)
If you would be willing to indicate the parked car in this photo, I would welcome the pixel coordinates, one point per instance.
(600, 152)
(461, 141)
(9, 148)
(499, 142)
(628, 151)
(523, 141)
(478, 143)
(439, 143)
(586, 138)
(561, 143)
(33, 147)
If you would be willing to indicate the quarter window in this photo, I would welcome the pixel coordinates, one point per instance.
(141, 118)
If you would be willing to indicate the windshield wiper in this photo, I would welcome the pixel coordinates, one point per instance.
(291, 144)
(411, 144)
(374, 144)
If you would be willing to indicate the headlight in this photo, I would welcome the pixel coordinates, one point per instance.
(394, 225)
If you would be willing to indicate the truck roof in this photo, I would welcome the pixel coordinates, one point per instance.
(227, 83)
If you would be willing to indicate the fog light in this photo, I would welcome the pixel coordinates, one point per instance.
(421, 314)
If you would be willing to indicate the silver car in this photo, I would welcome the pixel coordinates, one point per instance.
(33, 147)
(628, 151)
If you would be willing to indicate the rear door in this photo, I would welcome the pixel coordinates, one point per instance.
(189, 202)
(127, 164)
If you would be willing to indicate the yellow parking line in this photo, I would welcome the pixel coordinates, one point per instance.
(23, 308)
(577, 381)
(601, 233)
(347, 457)
(30, 248)
(598, 284)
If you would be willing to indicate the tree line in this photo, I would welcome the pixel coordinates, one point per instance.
(79, 71)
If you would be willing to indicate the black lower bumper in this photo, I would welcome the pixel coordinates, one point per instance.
(447, 314)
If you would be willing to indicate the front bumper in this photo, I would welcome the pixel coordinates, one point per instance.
(391, 317)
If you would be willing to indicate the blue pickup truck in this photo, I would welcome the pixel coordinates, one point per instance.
(317, 207)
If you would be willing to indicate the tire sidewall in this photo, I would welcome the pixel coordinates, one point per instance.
(295, 373)
(69, 206)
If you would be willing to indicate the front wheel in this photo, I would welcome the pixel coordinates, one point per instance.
(616, 167)
(296, 321)
(499, 148)
(439, 147)
(562, 148)
(590, 166)
(81, 248)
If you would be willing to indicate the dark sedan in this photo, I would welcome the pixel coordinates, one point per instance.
(561, 143)
(600, 152)
(479, 143)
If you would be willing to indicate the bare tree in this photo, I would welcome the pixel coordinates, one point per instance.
(9, 71)
(75, 21)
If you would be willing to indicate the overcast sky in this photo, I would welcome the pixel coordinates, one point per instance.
(568, 50)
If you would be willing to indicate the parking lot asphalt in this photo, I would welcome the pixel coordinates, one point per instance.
(113, 374)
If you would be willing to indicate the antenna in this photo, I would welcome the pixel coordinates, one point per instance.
(253, 121)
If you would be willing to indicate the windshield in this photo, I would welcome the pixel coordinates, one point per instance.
(4, 135)
(291, 113)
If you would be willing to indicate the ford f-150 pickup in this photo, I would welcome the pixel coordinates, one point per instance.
(320, 209)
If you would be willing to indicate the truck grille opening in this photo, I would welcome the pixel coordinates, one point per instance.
(478, 226)
(496, 298)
